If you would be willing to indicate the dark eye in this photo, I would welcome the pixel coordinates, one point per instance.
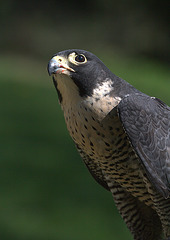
(80, 58)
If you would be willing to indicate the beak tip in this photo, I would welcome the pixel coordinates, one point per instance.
(53, 66)
(49, 72)
(50, 68)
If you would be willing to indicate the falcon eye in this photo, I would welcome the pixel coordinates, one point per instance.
(80, 58)
(77, 59)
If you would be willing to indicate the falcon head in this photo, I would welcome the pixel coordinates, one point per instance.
(78, 72)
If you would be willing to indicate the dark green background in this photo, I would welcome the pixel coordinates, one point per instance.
(46, 191)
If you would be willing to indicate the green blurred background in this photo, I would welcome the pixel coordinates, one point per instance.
(46, 191)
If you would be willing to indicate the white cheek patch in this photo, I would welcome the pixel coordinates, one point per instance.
(101, 101)
(103, 89)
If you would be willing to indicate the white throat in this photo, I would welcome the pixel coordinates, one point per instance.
(100, 102)
(68, 90)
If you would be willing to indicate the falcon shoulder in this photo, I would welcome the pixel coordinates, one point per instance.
(146, 121)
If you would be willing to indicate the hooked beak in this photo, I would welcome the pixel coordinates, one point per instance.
(58, 65)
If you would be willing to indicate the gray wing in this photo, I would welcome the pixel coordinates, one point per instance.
(146, 121)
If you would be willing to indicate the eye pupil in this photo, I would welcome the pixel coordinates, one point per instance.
(80, 58)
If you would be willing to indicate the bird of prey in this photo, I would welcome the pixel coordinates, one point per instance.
(122, 135)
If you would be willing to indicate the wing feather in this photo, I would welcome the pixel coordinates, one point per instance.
(146, 121)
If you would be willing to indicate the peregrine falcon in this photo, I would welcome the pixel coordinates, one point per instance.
(123, 137)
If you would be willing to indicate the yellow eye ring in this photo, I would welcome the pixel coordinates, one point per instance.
(77, 59)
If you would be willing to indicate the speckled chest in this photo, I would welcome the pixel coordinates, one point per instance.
(105, 142)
